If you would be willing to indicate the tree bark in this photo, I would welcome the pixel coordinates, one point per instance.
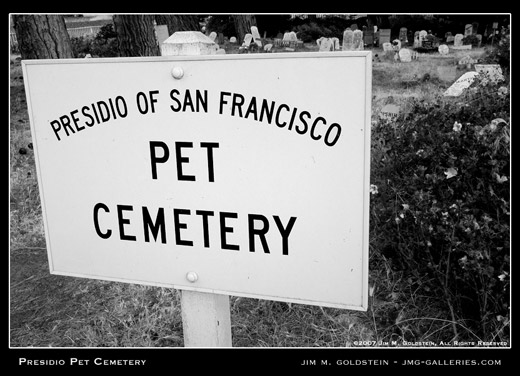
(42, 37)
(136, 35)
(243, 23)
(178, 23)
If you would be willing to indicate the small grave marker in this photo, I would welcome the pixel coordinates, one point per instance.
(348, 40)
(389, 112)
(384, 36)
(357, 43)
(461, 84)
(405, 55)
(443, 49)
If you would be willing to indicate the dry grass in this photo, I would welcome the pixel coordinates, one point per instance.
(56, 311)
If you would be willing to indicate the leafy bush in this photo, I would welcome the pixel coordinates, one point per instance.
(501, 53)
(104, 44)
(441, 203)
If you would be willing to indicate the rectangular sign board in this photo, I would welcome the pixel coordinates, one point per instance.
(244, 175)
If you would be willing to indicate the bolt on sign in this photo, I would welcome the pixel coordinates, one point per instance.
(243, 175)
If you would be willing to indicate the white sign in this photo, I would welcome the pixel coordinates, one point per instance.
(194, 173)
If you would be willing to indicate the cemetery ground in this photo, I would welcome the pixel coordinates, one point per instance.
(56, 311)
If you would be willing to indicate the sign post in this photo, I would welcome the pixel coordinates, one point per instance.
(206, 317)
(218, 175)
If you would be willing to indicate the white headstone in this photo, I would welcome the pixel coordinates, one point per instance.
(405, 55)
(221, 51)
(293, 37)
(213, 36)
(396, 44)
(335, 41)
(248, 38)
(348, 40)
(461, 84)
(387, 46)
(233, 40)
(357, 44)
(256, 36)
(422, 35)
(389, 112)
(325, 44)
(443, 49)
(468, 30)
(286, 37)
(457, 41)
(268, 47)
(416, 41)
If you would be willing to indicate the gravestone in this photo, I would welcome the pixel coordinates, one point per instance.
(387, 47)
(248, 38)
(443, 49)
(187, 43)
(490, 72)
(213, 36)
(268, 47)
(396, 44)
(353, 27)
(335, 42)
(405, 55)
(325, 44)
(293, 37)
(233, 39)
(422, 35)
(256, 36)
(457, 41)
(357, 44)
(403, 36)
(416, 40)
(384, 36)
(461, 84)
(447, 73)
(468, 30)
(368, 37)
(161, 33)
(221, 51)
(348, 40)
(389, 112)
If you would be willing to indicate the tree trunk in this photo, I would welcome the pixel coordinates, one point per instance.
(136, 35)
(178, 23)
(42, 37)
(243, 23)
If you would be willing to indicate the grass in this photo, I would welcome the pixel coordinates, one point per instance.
(56, 311)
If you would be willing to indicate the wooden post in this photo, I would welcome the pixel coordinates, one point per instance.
(206, 317)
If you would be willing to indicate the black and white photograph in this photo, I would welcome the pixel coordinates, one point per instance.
(319, 191)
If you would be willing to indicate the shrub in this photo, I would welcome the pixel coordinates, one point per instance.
(104, 44)
(442, 205)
